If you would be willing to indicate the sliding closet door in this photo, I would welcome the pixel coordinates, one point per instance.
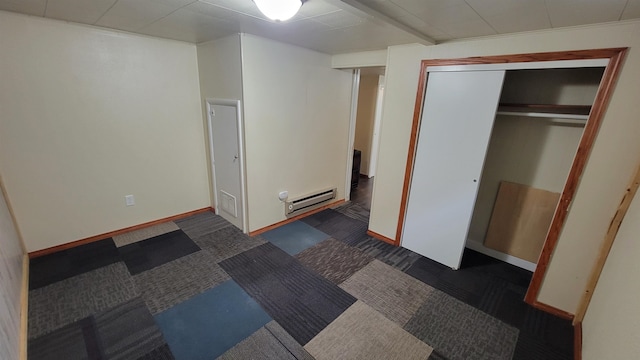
(457, 118)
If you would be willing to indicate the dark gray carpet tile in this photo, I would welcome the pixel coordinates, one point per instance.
(436, 356)
(147, 254)
(504, 301)
(260, 345)
(65, 343)
(551, 330)
(64, 264)
(459, 331)
(128, 331)
(227, 242)
(334, 260)
(398, 257)
(301, 301)
(202, 224)
(354, 211)
(161, 353)
(172, 283)
(287, 341)
(533, 348)
(66, 301)
(339, 226)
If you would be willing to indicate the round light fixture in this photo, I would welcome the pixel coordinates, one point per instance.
(278, 10)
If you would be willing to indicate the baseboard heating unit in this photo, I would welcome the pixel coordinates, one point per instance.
(309, 202)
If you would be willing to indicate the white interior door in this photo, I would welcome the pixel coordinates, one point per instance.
(457, 117)
(227, 166)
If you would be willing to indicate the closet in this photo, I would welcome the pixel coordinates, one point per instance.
(492, 147)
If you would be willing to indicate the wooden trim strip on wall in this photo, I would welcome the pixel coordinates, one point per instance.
(297, 217)
(91, 239)
(24, 308)
(609, 238)
(381, 237)
(552, 310)
(615, 56)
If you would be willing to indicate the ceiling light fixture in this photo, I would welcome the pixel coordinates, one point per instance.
(279, 10)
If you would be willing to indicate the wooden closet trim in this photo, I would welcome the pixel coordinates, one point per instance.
(615, 56)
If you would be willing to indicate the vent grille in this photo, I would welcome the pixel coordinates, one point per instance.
(308, 202)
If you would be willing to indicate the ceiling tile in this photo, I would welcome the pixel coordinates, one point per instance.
(247, 7)
(31, 7)
(339, 19)
(632, 10)
(82, 11)
(316, 8)
(190, 26)
(468, 29)
(417, 24)
(513, 16)
(131, 15)
(580, 12)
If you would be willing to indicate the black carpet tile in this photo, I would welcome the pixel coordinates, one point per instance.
(161, 353)
(127, 331)
(533, 348)
(301, 301)
(46, 270)
(338, 226)
(436, 356)
(147, 254)
(398, 257)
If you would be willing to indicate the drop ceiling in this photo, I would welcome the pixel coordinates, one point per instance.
(332, 26)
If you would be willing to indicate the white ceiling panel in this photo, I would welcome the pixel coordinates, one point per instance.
(632, 10)
(30, 7)
(332, 26)
(82, 11)
(131, 15)
(580, 12)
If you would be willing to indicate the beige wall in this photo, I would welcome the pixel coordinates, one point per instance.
(367, 97)
(296, 125)
(611, 327)
(609, 167)
(359, 59)
(11, 257)
(220, 72)
(89, 116)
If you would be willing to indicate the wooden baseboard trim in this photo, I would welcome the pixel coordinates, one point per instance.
(297, 217)
(551, 310)
(381, 237)
(577, 341)
(91, 239)
(24, 308)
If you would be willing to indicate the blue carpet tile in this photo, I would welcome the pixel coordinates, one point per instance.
(295, 237)
(147, 254)
(209, 324)
(301, 301)
(64, 264)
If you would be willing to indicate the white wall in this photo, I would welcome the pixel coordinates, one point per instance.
(608, 170)
(220, 71)
(359, 59)
(296, 125)
(611, 327)
(91, 115)
(367, 96)
(11, 257)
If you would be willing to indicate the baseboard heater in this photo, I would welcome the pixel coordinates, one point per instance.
(308, 202)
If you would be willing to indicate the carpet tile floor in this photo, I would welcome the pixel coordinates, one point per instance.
(198, 288)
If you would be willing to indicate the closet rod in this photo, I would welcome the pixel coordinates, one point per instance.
(576, 118)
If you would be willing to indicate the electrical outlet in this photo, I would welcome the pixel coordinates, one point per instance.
(129, 200)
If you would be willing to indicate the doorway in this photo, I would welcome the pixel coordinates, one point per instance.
(226, 148)
(366, 114)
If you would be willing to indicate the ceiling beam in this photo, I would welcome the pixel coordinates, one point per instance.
(423, 39)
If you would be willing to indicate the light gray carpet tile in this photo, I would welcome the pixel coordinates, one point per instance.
(361, 333)
(390, 291)
(128, 331)
(227, 242)
(72, 299)
(334, 260)
(202, 224)
(143, 234)
(260, 345)
(172, 283)
(354, 211)
(288, 341)
(460, 332)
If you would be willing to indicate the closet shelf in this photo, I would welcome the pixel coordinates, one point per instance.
(572, 112)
